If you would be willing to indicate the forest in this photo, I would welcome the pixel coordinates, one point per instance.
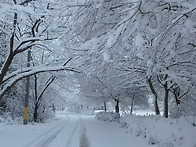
(116, 55)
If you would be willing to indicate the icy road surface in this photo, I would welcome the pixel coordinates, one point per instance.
(68, 130)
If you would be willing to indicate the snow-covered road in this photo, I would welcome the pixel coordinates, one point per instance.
(66, 133)
(68, 130)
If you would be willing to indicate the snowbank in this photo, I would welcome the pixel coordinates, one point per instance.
(156, 130)
(108, 116)
(83, 111)
(162, 132)
(8, 120)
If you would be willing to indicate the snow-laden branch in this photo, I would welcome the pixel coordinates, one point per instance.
(27, 1)
(30, 72)
(27, 43)
(29, 69)
(46, 86)
(176, 21)
(16, 8)
(19, 71)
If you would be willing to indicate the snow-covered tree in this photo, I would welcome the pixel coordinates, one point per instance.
(149, 40)
(35, 26)
(31, 24)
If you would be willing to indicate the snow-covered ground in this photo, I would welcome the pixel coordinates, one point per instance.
(162, 132)
(156, 131)
(74, 130)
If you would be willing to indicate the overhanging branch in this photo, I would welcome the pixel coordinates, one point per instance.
(31, 72)
(29, 69)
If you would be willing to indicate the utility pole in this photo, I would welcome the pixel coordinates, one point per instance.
(26, 106)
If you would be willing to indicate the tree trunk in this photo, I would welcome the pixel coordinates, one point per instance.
(132, 102)
(5, 67)
(157, 112)
(166, 101)
(117, 106)
(104, 104)
(156, 107)
(176, 93)
(11, 55)
(177, 100)
(35, 115)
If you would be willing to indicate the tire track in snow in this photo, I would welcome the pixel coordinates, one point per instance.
(68, 144)
(47, 137)
(70, 132)
(83, 138)
(78, 135)
(47, 142)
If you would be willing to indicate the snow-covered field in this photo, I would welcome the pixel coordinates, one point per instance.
(75, 130)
